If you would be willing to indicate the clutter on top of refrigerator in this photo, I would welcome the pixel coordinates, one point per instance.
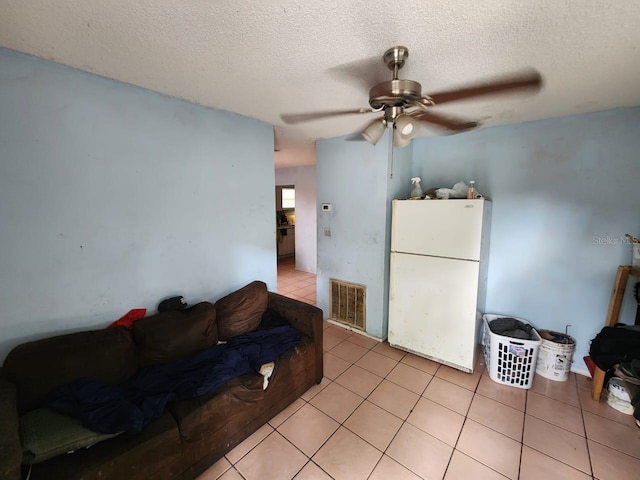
(471, 192)
(416, 190)
(459, 190)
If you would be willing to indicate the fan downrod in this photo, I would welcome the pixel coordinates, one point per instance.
(394, 59)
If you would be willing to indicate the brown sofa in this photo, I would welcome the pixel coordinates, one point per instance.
(191, 434)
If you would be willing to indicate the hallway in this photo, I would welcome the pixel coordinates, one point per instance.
(293, 283)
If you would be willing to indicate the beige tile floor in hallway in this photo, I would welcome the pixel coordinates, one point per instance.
(295, 283)
(382, 414)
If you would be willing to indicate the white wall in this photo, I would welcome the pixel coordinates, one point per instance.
(295, 157)
(113, 197)
(354, 178)
(304, 179)
(564, 192)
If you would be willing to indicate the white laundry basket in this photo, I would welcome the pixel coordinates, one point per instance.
(511, 361)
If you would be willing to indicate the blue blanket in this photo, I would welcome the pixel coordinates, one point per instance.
(130, 406)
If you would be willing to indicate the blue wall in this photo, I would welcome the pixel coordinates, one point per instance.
(113, 197)
(354, 178)
(564, 191)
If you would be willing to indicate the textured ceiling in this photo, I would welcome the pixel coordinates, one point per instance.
(262, 59)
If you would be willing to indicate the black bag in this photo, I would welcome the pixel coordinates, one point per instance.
(614, 345)
(173, 303)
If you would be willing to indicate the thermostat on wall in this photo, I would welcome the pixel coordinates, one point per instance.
(326, 207)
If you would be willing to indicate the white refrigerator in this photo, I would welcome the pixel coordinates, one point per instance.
(438, 274)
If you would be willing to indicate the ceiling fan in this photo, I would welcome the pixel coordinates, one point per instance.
(403, 104)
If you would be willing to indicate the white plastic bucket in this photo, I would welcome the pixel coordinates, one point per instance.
(555, 357)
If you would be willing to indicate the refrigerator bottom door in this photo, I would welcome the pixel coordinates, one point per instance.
(433, 308)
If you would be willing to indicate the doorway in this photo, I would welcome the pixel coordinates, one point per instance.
(297, 219)
(285, 221)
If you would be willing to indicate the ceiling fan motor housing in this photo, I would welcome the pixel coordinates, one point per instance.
(395, 93)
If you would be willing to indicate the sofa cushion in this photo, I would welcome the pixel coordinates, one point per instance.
(168, 336)
(146, 455)
(38, 367)
(241, 311)
(45, 434)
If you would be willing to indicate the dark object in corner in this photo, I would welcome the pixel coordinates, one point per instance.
(173, 303)
(614, 345)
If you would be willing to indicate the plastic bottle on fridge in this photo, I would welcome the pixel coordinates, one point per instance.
(472, 190)
(416, 190)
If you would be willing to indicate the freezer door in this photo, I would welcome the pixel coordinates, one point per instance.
(441, 228)
(432, 308)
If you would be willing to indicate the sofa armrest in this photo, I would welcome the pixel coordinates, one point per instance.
(303, 317)
(10, 448)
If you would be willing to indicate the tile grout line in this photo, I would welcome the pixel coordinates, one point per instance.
(559, 461)
(586, 439)
(524, 419)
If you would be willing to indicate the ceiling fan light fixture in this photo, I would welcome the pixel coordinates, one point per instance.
(398, 141)
(404, 129)
(374, 131)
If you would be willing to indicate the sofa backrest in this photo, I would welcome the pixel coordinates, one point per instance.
(113, 355)
(168, 336)
(38, 367)
(241, 311)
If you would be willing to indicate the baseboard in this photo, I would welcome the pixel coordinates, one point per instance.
(354, 330)
(581, 371)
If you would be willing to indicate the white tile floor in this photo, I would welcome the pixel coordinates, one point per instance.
(381, 414)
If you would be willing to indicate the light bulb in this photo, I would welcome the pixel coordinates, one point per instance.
(373, 133)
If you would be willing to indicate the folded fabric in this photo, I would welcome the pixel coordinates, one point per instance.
(45, 434)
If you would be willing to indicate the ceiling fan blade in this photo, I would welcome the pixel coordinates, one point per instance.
(446, 122)
(531, 80)
(291, 118)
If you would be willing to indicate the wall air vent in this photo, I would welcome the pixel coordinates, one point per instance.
(348, 303)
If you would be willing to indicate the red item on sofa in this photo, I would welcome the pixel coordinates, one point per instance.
(129, 318)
